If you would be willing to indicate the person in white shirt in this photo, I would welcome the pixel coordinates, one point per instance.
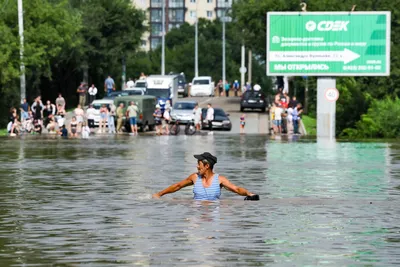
(197, 117)
(290, 120)
(60, 121)
(85, 131)
(278, 118)
(130, 84)
(210, 115)
(90, 114)
(142, 76)
(167, 119)
(111, 119)
(92, 93)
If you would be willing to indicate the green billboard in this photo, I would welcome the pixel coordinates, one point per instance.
(328, 43)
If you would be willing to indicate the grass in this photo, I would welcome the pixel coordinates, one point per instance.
(3, 132)
(310, 124)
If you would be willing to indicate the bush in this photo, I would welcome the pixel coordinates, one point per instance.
(381, 120)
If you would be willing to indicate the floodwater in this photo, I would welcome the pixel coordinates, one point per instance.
(88, 203)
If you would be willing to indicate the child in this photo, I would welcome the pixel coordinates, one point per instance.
(85, 131)
(242, 123)
(37, 126)
(60, 121)
(63, 132)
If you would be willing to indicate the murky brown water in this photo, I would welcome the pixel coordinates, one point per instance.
(88, 203)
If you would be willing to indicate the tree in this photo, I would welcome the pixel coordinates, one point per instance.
(48, 30)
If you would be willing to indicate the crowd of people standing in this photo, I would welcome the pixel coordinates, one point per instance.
(285, 114)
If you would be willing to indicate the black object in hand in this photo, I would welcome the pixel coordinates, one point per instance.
(252, 198)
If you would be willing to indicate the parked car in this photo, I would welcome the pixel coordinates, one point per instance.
(182, 111)
(182, 85)
(221, 120)
(253, 100)
(202, 86)
(114, 94)
(97, 104)
(146, 105)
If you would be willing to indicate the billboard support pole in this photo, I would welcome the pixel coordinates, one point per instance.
(326, 110)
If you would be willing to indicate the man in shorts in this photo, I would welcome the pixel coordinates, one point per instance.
(131, 113)
(278, 118)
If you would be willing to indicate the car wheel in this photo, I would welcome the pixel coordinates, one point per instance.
(241, 109)
(174, 129)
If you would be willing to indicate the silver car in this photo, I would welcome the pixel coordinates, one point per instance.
(182, 111)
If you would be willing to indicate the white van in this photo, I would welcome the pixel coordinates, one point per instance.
(202, 86)
(97, 105)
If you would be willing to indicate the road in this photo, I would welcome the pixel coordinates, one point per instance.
(256, 121)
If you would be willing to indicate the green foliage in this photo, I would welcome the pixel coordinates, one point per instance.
(3, 132)
(310, 124)
(381, 120)
(62, 37)
(48, 30)
(350, 105)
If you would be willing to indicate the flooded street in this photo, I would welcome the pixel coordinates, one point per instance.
(88, 203)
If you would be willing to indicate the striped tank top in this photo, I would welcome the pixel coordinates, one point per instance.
(207, 193)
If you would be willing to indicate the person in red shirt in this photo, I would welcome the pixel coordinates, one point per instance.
(283, 103)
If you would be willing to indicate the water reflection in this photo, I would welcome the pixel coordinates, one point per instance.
(88, 202)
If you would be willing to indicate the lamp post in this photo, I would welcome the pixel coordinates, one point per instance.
(223, 49)
(223, 53)
(163, 39)
(21, 48)
(196, 49)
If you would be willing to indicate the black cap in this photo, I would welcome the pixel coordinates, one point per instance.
(207, 156)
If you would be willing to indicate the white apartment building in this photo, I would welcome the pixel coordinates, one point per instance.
(176, 13)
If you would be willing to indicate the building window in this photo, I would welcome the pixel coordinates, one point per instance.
(209, 1)
(156, 3)
(176, 3)
(192, 1)
(156, 29)
(173, 25)
(224, 3)
(209, 14)
(193, 14)
(176, 15)
(155, 42)
(156, 15)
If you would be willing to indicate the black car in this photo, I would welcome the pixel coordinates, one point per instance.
(182, 84)
(221, 120)
(253, 100)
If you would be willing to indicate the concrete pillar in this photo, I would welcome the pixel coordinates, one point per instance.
(326, 110)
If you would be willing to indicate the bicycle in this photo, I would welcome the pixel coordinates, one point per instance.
(175, 128)
(190, 128)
